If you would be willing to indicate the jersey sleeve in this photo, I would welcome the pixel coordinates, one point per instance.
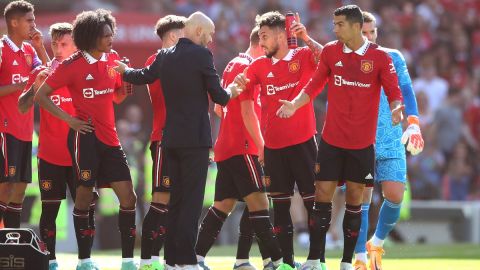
(32, 77)
(388, 78)
(60, 77)
(405, 83)
(319, 78)
(249, 92)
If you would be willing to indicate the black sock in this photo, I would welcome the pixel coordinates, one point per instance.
(48, 227)
(283, 226)
(91, 222)
(150, 228)
(245, 236)
(319, 223)
(211, 226)
(351, 226)
(263, 230)
(128, 230)
(3, 208)
(161, 233)
(11, 217)
(83, 233)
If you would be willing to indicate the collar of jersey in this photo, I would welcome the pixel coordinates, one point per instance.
(92, 60)
(360, 51)
(12, 45)
(287, 57)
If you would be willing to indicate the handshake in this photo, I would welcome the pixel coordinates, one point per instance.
(238, 85)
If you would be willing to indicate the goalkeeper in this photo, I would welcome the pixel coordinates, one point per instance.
(390, 159)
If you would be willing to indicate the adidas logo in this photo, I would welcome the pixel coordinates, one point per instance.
(270, 75)
(15, 63)
(369, 177)
(339, 64)
(89, 77)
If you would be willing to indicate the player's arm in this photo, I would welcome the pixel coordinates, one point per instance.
(42, 98)
(8, 89)
(37, 43)
(250, 120)
(25, 101)
(389, 81)
(301, 32)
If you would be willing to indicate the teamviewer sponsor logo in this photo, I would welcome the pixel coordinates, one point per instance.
(55, 99)
(272, 89)
(339, 81)
(88, 93)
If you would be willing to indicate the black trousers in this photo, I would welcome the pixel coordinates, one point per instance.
(188, 171)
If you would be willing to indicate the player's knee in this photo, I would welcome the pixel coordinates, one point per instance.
(161, 197)
(224, 206)
(6, 191)
(129, 200)
(394, 196)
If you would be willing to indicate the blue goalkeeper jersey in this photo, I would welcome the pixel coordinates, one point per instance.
(388, 143)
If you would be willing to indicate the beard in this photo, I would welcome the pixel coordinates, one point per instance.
(270, 54)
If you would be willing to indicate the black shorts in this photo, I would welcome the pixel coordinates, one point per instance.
(160, 178)
(292, 164)
(95, 163)
(339, 164)
(54, 180)
(15, 159)
(238, 177)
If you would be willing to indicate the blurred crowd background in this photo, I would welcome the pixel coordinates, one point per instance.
(440, 40)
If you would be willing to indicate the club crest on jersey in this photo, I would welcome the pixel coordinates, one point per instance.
(46, 185)
(294, 66)
(366, 66)
(28, 59)
(55, 99)
(266, 180)
(166, 181)
(85, 175)
(12, 170)
(111, 72)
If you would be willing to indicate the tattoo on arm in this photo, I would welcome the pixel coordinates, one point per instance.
(316, 48)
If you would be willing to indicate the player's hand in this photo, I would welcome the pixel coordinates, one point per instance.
(397, 114)
(286, 110)
(298, 29)
(241, 80)
(41, 76)
(36, 38)
(79, 125)
(121, 67)
(413, 136)
(218, 110)
(234, 89)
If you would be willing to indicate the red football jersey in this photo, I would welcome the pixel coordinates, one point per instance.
(283, 79)
(158, 105)
(233, 138)
(17, 63)
(91, 83)
(355, 79)
(52, 145)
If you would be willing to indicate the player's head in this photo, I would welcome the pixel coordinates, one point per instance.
(347, 22)
(20, 19)
(369, 28)
(255, 49)
(94, 30)
(271, 32)
(170, 28)
(199, 28)
(62, 40)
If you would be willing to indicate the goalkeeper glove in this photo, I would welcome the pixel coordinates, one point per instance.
(413, 136)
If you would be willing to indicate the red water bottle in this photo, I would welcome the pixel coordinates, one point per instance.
(291, 38)
(127, 87)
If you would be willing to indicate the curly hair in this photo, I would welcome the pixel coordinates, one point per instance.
(168, 23)
(271, 19)
(88, 28)
(17, 8)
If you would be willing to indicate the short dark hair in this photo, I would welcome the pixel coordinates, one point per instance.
(352, 13)
(271, 19)
(254, 38)
(88, 28)
(168, 23)
(368, 17)
(17, 8)
(58, 30)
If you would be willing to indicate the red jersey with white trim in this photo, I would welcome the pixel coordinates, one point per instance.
(53, 135)
(283, 79)
(354, 82)
(158, 105)
(233, 138)
(16, 65)
(91, 83)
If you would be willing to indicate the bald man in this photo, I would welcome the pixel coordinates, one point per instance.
(188, 78)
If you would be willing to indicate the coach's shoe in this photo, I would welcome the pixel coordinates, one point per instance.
(311, 265)
(203, 266)
(53, 266)
(129, 266)
(284, 266)
(375, 254)
(359, 265)
(87, 266)
(156, 265)
(346, 266)
(269, 266)
(244, 266)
